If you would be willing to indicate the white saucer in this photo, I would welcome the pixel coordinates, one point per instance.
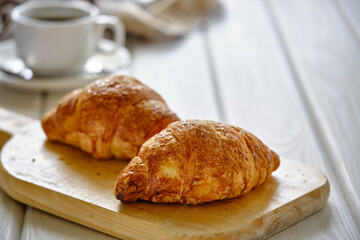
(120, 60)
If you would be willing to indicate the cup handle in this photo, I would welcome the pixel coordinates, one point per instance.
(103, 22)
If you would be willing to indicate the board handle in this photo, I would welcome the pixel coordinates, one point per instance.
(12, 123)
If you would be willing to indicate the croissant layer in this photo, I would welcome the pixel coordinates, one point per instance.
(196, 161)
(110, 118)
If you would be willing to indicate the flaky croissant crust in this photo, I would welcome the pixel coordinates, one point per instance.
(194, 162)
(110, 118)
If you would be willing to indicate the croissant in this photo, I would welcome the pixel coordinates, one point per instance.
(110, 118)
(196, 161)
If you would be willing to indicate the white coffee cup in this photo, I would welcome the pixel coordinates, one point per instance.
(57, 38)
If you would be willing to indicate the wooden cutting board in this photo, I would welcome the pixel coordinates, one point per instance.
(64, 181)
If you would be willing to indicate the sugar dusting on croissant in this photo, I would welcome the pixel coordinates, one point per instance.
(196, 161)
(110, 118)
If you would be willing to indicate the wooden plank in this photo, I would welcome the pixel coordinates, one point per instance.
(45, 175)
(326, 56)
(259, 94)
(26, 103)
(56, 228)
(351, 12)
(179, 71)
(12, 214)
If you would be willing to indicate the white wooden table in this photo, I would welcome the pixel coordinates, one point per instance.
(288, 71)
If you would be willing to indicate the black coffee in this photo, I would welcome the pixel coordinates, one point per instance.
(55, 14)
(54, 18)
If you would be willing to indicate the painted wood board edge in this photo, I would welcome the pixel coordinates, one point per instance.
(321, 194)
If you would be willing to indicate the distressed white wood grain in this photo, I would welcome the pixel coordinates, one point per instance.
(42, 225)
(326, 56)
(179, 71)
(26, 103)
(351, 12)
(259, 94)
(12, 214)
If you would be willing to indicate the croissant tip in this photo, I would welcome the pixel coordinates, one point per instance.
(126, 196)
(276, 160)
(119, 196)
